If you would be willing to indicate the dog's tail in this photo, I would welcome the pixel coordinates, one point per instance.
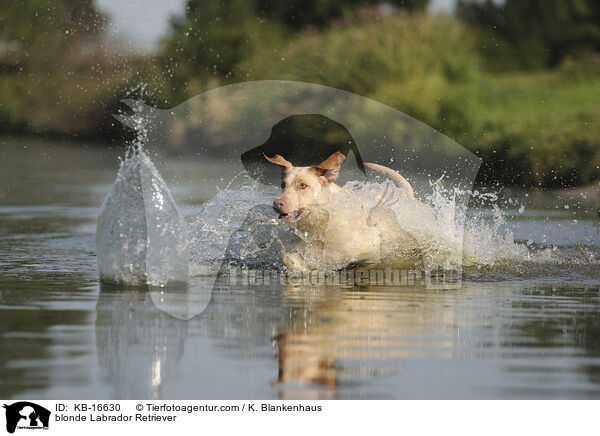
(398, 180)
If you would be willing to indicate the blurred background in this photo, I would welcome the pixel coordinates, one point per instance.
(517, 81)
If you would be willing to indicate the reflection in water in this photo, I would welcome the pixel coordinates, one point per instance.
(32, 325)
(139, 346)
(571, 318)
(327, 339)
(324, 342)
(338, 337)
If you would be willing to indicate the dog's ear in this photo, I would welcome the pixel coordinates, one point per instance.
(329, 170)
(278, 160)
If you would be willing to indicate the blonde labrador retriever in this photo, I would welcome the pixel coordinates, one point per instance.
(334, 230)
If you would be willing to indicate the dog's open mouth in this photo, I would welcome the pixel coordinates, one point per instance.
(292, 215)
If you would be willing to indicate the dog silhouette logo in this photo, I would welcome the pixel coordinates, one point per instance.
(26, 415)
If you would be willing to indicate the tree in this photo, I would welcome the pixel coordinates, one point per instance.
(42, 30)
(215, 35)
(539, 32)
(301, 13)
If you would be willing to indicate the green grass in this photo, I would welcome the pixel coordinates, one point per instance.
(541, 123)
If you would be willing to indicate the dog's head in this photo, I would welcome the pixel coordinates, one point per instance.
(301, 185)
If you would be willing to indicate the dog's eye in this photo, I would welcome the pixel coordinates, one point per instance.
(282, 185)
(302, 186)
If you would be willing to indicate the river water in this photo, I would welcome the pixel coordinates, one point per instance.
(524, 324)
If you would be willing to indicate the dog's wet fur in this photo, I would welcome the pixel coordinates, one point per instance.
(342, 240)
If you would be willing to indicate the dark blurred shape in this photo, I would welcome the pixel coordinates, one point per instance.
(534, 33)
(301, 13)
(303, 140)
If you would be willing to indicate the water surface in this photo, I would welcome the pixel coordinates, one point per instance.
(528, 328)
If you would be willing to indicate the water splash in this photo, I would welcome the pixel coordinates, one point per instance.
(448, 236)
(236, 226)
(142, 236)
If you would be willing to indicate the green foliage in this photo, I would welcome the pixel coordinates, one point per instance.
(213, 37)
(540, 125)
(533, 33)
(216, 35)
(298, 14)
(405, 60)
(41, 30)
(54, 76)
(365, 55)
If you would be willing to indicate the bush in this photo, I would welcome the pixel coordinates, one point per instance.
(538, 124)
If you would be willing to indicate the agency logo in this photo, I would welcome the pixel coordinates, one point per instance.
(26, 415)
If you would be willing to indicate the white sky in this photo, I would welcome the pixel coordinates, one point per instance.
(141, 24)
(442, 5)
